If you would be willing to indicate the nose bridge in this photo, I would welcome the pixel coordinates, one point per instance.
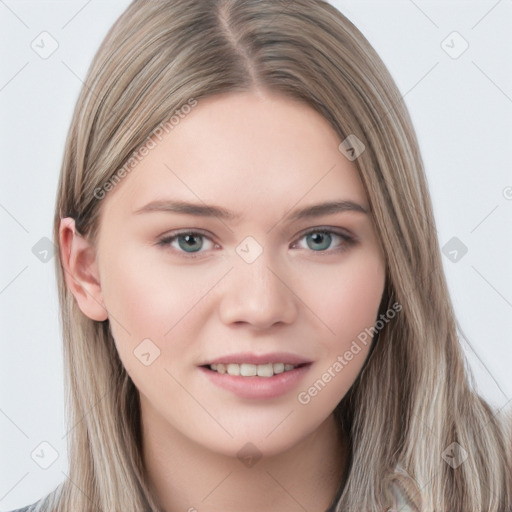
(254, 292)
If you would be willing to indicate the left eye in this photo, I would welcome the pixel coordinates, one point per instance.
(320, 239)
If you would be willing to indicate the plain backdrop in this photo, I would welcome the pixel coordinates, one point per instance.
(451, 61)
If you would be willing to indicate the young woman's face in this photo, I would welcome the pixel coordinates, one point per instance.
(261, 280)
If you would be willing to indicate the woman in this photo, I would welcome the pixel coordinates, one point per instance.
(254, 309)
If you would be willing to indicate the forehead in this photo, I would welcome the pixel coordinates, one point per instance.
(246, 151)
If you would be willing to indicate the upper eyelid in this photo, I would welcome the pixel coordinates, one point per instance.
(343, 232)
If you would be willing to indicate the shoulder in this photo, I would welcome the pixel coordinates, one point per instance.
(28, 508)
(401, 500)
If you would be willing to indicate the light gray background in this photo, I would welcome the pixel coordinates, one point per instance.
(461, 108)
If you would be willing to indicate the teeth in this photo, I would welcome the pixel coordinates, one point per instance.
(252, 370)
(233, 369)
(278, 367)
(265, 370)
(247, 370)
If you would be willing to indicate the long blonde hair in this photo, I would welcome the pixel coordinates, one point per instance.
(413, 397)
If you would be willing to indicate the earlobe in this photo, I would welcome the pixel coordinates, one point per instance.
(78, 259)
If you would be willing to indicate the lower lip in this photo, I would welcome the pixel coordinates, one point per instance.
(257, 387)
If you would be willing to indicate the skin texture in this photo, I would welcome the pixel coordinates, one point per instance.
(261, 156)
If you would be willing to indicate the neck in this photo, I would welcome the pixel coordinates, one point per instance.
(186, 476)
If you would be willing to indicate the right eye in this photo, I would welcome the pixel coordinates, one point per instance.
(187, 243)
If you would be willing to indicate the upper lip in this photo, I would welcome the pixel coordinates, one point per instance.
(250, 358)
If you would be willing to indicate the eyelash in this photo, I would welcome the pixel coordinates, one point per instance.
(346, 241)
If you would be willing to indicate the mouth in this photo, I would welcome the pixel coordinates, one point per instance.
(257, 378)
(253, 370)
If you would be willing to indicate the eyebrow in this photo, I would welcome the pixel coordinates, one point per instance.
(203, 210)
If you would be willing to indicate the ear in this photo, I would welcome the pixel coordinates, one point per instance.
(78, 258)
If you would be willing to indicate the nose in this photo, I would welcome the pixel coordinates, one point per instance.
(257, 294)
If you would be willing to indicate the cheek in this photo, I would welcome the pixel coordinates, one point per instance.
(153, 300)
(137, 300)
(346, 298)
(348, 304)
